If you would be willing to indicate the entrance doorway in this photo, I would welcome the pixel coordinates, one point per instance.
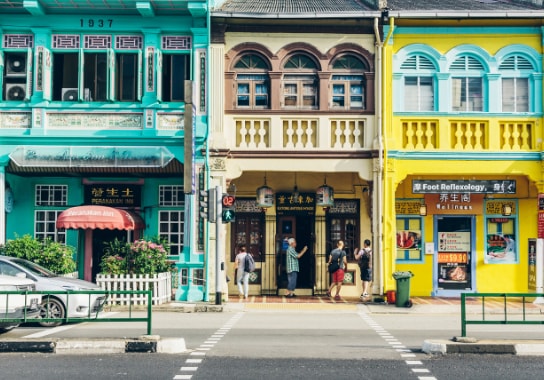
(453, 271)
(101, 239)
(300, 227)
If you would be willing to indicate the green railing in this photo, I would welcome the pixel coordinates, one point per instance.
(91, 316)
(516, 314)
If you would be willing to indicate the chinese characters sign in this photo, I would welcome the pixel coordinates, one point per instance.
(290, 203)
(454, 203)
(113, 195)
(473, 187)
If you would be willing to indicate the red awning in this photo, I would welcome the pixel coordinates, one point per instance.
(99, 217)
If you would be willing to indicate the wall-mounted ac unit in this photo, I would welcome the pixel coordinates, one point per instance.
(15, 65)
(15, 91)
(71, 95)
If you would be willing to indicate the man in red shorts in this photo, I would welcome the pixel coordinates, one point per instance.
(337, 254)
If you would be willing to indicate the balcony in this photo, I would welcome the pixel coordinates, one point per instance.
(280, 132)
(447, 134)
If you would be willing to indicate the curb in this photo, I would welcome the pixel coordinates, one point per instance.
(521, 348)
(143, 344)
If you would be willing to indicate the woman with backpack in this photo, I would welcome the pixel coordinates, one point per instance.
(242, 277)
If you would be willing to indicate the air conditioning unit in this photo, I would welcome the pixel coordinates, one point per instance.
(15, 65)
(71, 95)
(15, 91)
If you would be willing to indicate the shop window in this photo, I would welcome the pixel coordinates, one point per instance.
(409, 241)
(300, 83)
(467, 84)
(348, 84)
(252, 82)
(501, 240)
(198, 277)
(171, 230)
(248, 230)
(45, 226)
(51, 195)
(343, 224)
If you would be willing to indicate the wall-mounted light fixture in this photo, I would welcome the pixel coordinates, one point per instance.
(506, 210)
(265, 196)
(423, 209)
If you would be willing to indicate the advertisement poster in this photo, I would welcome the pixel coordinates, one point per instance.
(453, 260)
(532, 265)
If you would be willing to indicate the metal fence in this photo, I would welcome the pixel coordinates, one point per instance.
(485, 311)
(91, 316)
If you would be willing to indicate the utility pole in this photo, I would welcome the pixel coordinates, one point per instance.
(219, 265)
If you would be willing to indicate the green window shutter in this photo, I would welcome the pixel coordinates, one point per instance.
(112, 73)
(139, 80)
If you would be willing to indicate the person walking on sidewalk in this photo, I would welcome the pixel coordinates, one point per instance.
(364, 257)
(242, 277)
(337, 255)
(292, 266)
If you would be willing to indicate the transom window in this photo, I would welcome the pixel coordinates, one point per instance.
(51, 195)
(171, 195)
(467, 84)
(348, 85)
(252, 82)
(300, 84)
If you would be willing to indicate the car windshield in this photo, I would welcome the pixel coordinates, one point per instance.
(34, 268)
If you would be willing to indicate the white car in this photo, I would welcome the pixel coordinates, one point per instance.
(15, 306)
(56, 305)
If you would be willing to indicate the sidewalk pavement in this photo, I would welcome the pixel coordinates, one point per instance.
(420, 305)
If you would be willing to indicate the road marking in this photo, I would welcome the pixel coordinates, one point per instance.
(54, 330)
(206, 346)
(397, 346)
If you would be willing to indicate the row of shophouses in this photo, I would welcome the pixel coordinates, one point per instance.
(417, 127)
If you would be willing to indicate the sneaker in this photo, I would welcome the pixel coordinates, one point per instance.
(365, 295)
(328, 294)
(290, 295)
(337, 298)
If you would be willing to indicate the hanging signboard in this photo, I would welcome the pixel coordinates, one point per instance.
(464, 186)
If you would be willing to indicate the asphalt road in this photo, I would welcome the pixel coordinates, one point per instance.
(345, 343)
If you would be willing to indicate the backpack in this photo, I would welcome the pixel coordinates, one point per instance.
(249, 263)
(365, 261)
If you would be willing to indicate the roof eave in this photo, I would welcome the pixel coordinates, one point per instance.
(465, 14)
(308, 15)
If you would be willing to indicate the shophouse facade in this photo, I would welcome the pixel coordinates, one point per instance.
(93, 111)
(462, 129)
(294, 135)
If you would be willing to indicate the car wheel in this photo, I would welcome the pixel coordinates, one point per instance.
(52, 308)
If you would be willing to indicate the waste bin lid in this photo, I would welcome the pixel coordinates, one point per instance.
(400, 275)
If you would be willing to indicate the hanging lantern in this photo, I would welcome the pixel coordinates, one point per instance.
(325, 196)
(265, 196)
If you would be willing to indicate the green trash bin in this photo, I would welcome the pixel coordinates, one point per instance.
(403, 288)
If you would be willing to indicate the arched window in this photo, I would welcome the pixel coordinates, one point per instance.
(348, 83)
(300, 84)
(467, 84)
(515, 71)
(418, 84)
(252, 82)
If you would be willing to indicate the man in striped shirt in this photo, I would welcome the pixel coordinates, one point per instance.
(292, 266)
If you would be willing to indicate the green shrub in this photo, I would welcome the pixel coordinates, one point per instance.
(140, 257)
(56, 257)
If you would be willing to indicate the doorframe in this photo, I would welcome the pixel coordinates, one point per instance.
(454, 292)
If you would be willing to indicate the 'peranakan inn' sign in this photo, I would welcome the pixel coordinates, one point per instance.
(473, 186)
(289, 204)
(113, 195)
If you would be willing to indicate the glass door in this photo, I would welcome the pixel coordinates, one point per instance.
(454, 247)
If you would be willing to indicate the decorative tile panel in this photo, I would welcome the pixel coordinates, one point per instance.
(97, 42)
(128, 42)
(65, 41)
(170, 121)
(18, 41)
(94, 121)
(15, 120)
(176, 42)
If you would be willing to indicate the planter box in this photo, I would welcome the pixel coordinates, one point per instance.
(160, 284)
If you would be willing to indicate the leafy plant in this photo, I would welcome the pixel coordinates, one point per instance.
(140, 257)
(56, 257)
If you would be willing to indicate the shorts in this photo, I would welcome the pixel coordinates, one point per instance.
(292, 281)
(338, 276)
(366, 274)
